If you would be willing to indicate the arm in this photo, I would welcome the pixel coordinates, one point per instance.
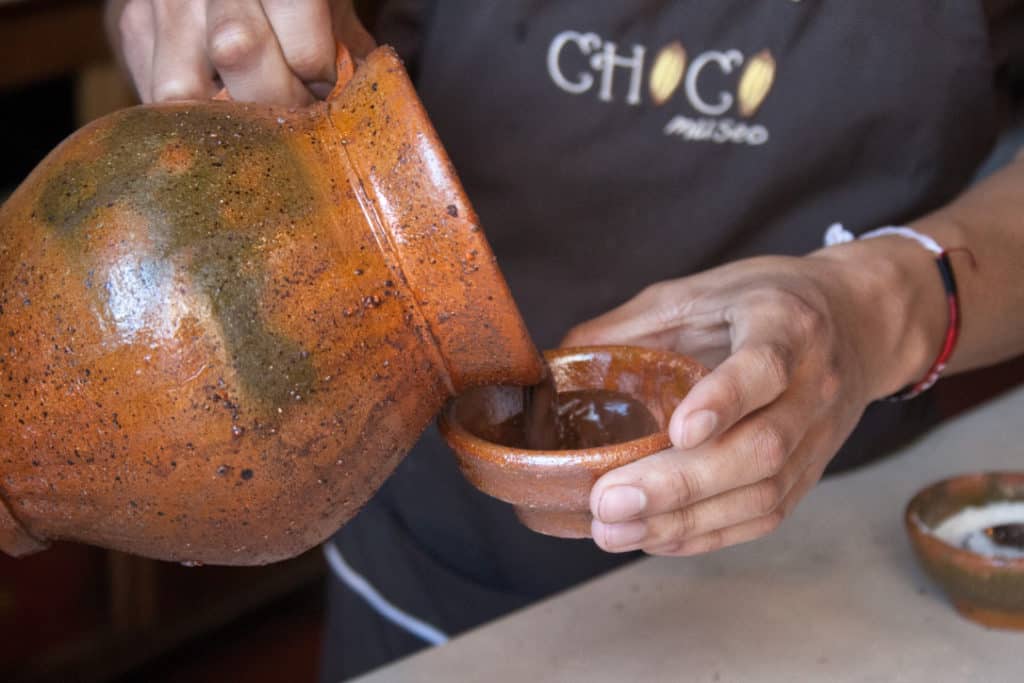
(988, 220)
(800, 347)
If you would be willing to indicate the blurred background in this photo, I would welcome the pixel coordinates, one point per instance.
(75, 613)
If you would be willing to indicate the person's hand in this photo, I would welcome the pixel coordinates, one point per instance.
(274, 51)
(799, 347)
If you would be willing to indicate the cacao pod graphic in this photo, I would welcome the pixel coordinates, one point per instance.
(755, 82)
(667, 72)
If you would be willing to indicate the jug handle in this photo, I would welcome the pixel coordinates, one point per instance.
(344, 66)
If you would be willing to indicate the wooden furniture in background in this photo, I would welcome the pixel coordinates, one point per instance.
(41, 39)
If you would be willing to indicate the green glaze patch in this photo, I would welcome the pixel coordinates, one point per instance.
(1002, 589)
(182, 170)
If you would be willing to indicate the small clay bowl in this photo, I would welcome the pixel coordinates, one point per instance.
(551, 489)
(985, 589)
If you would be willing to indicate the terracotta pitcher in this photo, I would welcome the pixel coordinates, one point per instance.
(222, 325)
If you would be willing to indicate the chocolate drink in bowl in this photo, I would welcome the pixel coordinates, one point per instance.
(542, 450)
(572, 420)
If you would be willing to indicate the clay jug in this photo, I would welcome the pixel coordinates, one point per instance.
(222, 325)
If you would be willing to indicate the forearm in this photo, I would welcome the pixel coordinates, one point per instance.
(897, 292)
(987, 221)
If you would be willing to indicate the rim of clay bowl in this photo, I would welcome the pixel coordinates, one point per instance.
(923, 534)
(610, 456)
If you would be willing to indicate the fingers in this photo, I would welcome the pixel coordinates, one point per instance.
(248, 57)
(659, 318)
(756, 449)
(672, 529)
(651, 316)
(754, 434)
(180, 68)
(749, 530)
(137, 29)
(772, 334)
(696, 528)
(303, 31)
(721, 538)
(261, 52)
(749, 379)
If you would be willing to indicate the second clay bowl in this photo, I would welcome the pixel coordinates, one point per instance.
(551, 489)
(986, 587)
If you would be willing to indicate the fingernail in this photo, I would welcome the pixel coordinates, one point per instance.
(624, 534)
(620, 503)
(698, 428)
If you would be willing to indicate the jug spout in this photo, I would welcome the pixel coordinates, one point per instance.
(225, 324)
(421, 216)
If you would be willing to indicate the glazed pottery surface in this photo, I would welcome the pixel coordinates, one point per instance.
(551, 489)
(985, 589)
(224, 324)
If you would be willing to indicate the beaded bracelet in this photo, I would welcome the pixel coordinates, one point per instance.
(837, 234)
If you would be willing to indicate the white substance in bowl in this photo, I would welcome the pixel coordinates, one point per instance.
(966, 529)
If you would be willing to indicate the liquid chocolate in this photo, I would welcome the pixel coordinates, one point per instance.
(573, 420)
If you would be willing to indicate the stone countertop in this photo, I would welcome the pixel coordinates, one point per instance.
(834, 595)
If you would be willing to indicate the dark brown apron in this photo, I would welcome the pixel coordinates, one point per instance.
(610, 145)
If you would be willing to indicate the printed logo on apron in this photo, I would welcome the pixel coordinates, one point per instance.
(702, 114)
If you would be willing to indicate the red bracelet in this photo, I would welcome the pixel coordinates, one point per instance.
(836, 234)
(952, 334)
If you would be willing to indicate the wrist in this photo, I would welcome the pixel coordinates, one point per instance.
(898, 308)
